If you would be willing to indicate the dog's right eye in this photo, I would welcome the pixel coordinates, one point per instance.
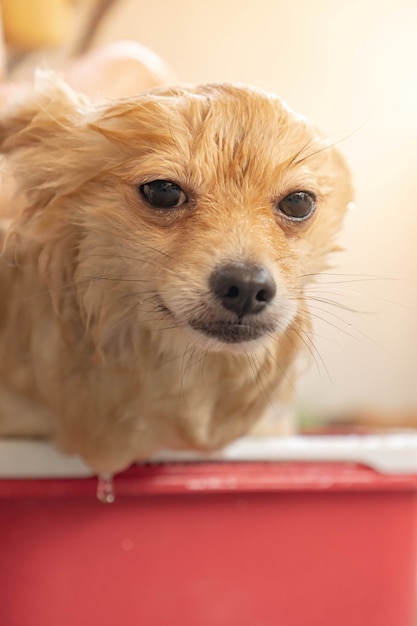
(163, 194)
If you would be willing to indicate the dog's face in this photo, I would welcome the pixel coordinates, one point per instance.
(198, 214)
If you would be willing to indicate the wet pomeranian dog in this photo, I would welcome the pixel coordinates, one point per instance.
(152, 285)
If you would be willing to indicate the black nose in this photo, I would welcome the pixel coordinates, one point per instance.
(243, 288)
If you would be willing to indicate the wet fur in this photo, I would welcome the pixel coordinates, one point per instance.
(97, 289)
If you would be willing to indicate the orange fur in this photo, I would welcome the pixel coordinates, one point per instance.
(98, 289)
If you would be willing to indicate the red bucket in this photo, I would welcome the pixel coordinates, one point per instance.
(247, 542)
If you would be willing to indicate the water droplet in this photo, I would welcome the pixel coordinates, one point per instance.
(105, 489)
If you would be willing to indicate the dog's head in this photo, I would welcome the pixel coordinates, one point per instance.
(196, 214)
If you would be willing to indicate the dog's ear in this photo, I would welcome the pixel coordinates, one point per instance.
(41, 136)
(48, 98)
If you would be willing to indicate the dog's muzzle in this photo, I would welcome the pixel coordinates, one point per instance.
(243, 290)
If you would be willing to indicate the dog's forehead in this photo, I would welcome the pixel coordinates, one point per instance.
(227, 121)
(205, 134)
(237, 106)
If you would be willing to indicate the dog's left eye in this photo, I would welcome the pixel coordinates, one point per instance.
(297, 206)
(163, 194)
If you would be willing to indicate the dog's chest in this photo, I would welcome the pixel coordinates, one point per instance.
(201, 404)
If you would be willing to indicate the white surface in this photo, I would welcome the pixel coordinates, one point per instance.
(391, 454)
(37, 459)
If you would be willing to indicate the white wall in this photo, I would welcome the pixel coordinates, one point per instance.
(351, 67)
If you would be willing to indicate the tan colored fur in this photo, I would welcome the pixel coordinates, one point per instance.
(84, 340)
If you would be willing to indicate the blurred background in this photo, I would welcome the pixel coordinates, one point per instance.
(350, 67)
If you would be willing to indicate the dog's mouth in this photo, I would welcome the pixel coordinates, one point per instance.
(231, 332)
(225, 331)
